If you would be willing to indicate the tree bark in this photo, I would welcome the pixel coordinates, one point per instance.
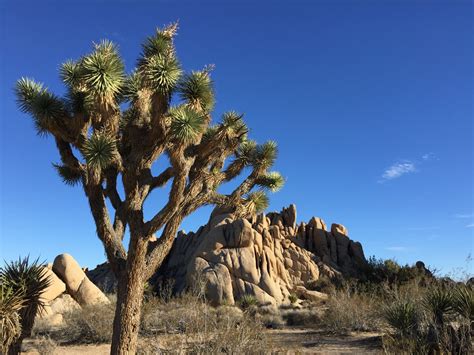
(130, 290)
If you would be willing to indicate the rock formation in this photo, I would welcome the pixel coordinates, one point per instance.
(69, 287)
(77, 283)
(267, 256)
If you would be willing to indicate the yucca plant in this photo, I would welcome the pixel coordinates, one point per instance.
(11, 303)
(402, 315)
(247, 301)
(463, 302)
(28, 280)
(111, 127)
(439, 304)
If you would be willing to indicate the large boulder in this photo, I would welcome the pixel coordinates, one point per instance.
(77, 283)
(56, 287)
(265, 256)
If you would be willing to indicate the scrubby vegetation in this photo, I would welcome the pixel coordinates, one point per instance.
(416, 312)
(409, 310)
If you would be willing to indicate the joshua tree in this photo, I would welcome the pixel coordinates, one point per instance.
(112, 127)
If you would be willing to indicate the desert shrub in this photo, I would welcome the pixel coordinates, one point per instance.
(164, 289)
(292, 298)
(203, 329)
(443, 327)
(439, 303)
(323, 284)
(351, 311)
(183, 314)
(247, 301)
(405, 345)
(45, 345)
(402, 316)
(90, 324)
(272, 320)
(301, 317)
(463, 302)
(379, 271)
(233, 336)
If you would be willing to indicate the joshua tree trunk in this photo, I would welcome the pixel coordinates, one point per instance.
(131, 284)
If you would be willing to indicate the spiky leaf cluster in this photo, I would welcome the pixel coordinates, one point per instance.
(210, 133)
(234, 123)
(161, 73)
(99, 150)
(102, 71)
(69, 176)
(187, 124)
(402, 316)
(439, 303)
(272, 181)
(158, 65)
(70, 73)
(197, 89)
(161, 43)
(29, 280)
(256, 202)
(131, 86)
(463, 302)
(35, 99)
(264, 155)
(245, 152)
(11, 303)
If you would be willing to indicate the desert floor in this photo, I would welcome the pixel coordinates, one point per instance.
(288, 340)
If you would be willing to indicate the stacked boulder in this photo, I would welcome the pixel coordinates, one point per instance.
(69, 288)
(267, 256)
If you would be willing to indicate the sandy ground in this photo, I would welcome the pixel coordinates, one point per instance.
(284, 341)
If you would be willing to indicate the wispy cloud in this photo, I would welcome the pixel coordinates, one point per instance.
(470, 225)
(464, 215)
(397, 170)
(405, 167)
(428, 157)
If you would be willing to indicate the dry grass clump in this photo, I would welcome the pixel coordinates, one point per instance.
(351, 311)
(91, 324)
(45, 345)
(188, 324)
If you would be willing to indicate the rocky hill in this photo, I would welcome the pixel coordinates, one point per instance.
(267, 256)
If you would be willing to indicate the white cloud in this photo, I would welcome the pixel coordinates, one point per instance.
(397, 170)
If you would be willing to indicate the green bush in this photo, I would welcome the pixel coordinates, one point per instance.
(403, 317)
(293, 298)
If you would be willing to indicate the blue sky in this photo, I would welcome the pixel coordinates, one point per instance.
(370, 102)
